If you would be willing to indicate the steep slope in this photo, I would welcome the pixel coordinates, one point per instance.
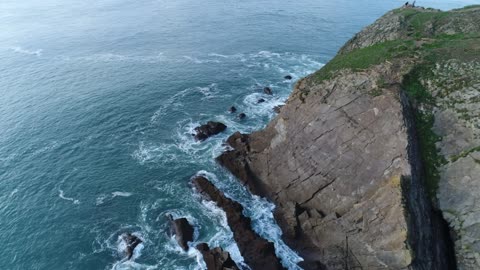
(352, 162)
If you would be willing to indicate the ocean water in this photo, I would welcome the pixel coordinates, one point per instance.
(98, 100)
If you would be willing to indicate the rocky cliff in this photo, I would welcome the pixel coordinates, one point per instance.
(374, 161)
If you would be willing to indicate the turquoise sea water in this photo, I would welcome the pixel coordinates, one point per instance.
(98, 100)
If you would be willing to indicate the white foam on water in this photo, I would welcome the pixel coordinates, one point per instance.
(13, 192)
(200, 61)
(62, 196)
(155, 153)
(121, 194)
(265, 54)
(131, 265)
(261, 212)
(113, 57)
(21, 50)
(100, 199)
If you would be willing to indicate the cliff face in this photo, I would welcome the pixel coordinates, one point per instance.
(351, 161)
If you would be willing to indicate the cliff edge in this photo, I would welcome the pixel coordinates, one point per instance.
(374, 160)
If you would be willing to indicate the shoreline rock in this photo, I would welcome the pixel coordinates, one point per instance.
(257, 252)
(209, 129)
(131, 242)
(182, 230)
(217, 258)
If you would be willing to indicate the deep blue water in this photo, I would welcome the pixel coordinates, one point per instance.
(97, 103)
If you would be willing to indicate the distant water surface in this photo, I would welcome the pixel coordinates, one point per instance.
(98, 100)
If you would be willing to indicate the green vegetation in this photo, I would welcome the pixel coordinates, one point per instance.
(413, 86)
(419, 40)
(464, 154)
(429, 154)
(468, 7)
(363, 58)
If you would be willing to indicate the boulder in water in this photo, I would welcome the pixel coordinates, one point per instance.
(217, 258)
(232, 109)
(242, 116)
(261, 100)
(267, 90)
(208, 130)
(182, 230)
(288, 77)
(131, 242)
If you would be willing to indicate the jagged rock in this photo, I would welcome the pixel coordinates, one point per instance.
(216, 259)
(267, 90)
(288, 77)
(131, 242)
(232, 109)
(342, 152)
(208, 130)
(182, 230)
(277, 108)
(261, 100)
(242, 116)
(257, 252)
(456, 86)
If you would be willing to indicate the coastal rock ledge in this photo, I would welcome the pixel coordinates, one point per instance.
(351, 160)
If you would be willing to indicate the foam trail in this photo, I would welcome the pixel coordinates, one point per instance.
(121, 194)
(21, 50)
(61, 195)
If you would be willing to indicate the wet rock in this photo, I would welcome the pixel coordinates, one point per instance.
(232, 109)
(242, 116)
(217, 258)
(208, 130)
(277, 108)
(182, 230)
(267, 90)
(261, 100)
(288, 77)
(257, 252)
(131, 242)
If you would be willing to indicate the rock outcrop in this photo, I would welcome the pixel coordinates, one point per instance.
(182, 230)
(351, 160)
(257, 252)
(209, 129)
(456, 88)
(131, 242)
(216, 259)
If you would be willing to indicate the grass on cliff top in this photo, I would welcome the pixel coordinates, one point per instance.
(361, 59)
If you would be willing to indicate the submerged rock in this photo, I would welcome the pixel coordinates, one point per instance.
(257, 252)
(208, 130)
(216, 259)
(288, 77)
(131, 242)
(261, 100)
(182, 230)
(232, 109)
(242, 116)
(267, 90)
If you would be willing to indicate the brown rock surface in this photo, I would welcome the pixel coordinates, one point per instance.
(216, 259)
(182, 230)
(257, 252)
(335, 162)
